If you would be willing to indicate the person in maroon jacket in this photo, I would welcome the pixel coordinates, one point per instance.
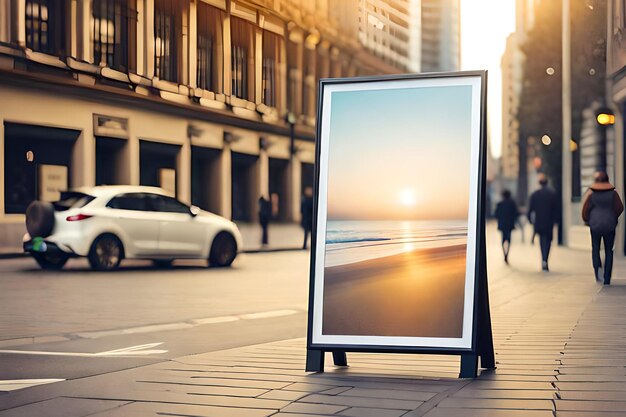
(601, 209)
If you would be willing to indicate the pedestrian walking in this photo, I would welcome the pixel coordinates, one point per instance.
(507, 214)
(602, 206)
(265, 214)
(306, 209)
(543, 213)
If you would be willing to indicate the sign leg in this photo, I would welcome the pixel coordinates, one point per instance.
(485, 347)
(469, 365)
(486, 352)
(314, 360)
(340, 358)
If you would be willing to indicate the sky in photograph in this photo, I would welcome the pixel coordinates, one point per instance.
(485, 24)
(400, 154)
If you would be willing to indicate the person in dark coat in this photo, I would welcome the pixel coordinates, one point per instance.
(601, 209)
(306, 209)
(507, 214)
(265, 214)
(543, 213)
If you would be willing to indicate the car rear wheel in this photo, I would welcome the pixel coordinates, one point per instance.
(223, 250)
(106, 253)
(51, 262)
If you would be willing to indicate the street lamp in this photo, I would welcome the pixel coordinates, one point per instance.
(605, 118)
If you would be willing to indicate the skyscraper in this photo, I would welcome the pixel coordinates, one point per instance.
(440, 28)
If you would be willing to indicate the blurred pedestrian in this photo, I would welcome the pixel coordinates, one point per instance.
(601, 209)
(265, 214)
(507, 214)
(306, 209)
(543, 213)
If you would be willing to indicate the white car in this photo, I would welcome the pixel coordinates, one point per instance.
(109, 223)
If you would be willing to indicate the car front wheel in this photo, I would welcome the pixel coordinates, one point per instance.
(106, 253)
(50, 262)
(223, 250)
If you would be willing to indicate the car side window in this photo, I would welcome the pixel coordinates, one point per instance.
(168, 204)
(130, 201)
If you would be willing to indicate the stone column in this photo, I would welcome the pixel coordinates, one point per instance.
(226, 183)
(149, 45)
(264, 174)
(295, 188)
(183, 173)
(193, 43)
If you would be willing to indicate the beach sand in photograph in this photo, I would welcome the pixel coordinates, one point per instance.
(418, 293)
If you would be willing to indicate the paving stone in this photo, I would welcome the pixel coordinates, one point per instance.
(336, 391)
(588, 414)
(219, 382)
(305, 387)
(201, 390)
(476, 412)
(371, 412)
(480, 384)
(591, 386)
(62, 407)
(284, 395)
(302, 408)
(389, 394)
(362, 402)
(505, 394)
(524, 404)
(592, 395)
(599, 377)
(281, 414)
(606, 406)
(142, 409)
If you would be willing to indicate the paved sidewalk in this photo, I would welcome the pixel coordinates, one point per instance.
(560, 347)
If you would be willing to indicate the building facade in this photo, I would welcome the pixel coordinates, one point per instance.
(441, 35)
(517, 166)
(511, 83)
(391, 30)
(214, 100)
(616, 99)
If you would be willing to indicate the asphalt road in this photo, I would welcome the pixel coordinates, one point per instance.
(86, 323)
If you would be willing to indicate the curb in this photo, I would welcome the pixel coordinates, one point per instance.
(13, 255)
(262, 250)
(16, 255)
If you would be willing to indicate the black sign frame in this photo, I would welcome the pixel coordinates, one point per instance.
(481, 338)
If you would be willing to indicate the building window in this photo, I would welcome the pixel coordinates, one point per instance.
(272, 49)
(113, 31)
(209, 47)
(167, 38)
(45, 26)
(242, 57)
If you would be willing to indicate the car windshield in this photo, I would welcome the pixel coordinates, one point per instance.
(72, 199)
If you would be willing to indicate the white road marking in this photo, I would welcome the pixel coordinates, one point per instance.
(188, 324)
(139, 350)
(268, 314)
(213, 320)
(153, 328)
(14, 384)
(158, 328)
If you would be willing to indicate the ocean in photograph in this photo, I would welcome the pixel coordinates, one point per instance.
(352, 241)
(395, 278)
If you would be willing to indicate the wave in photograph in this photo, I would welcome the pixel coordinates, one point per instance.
(352, 241)
(395, 278)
